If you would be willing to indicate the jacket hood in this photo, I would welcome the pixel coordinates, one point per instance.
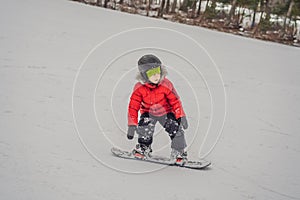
(142, 80)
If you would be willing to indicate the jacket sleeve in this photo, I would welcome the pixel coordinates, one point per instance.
(175, 101)
(134, 105)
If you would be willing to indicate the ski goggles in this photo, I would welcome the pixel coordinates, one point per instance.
(153, 71)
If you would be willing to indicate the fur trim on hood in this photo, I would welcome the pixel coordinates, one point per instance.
(142, 80)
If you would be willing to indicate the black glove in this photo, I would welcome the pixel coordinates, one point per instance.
(182, 121)
(130, 132)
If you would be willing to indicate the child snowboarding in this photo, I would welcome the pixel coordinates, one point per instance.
(155, 97)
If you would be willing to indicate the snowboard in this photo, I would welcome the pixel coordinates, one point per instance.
(200, 164)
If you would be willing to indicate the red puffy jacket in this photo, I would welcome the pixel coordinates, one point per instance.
(158, 100)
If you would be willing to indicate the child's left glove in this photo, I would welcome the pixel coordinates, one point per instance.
(182, 121)
(130, 132)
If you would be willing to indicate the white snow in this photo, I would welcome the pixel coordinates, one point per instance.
(67, 71)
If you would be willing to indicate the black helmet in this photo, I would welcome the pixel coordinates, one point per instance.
(147, 62)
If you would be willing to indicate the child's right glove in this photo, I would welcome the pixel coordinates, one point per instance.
(130, 132)
(182, 121)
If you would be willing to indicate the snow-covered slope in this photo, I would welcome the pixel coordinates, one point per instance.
(67, 70)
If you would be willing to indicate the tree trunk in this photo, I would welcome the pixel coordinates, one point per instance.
(184, 5)
(258, 25)
(212, 8)
(199, 8)
(242, 16)
(231, 12)
(105, 3)
(168, 6)
(264, 8)
(174, 5)
(238, 16)
(254, 16)
(161, 10)
(267, 9)
(148, 6)
(288, 14)
(206, 6)
(194, 8)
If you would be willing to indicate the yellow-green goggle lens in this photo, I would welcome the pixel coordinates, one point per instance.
(153, 71)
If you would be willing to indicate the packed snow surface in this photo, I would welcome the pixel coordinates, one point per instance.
(66, 74)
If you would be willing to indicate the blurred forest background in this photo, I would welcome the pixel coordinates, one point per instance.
(273, 20)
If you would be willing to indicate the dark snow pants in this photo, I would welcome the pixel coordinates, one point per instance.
(146, 127)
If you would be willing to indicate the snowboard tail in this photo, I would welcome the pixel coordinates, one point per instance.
(200, 164)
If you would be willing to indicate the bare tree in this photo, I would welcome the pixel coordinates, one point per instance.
(168, 6)
(254, 15)
(194, 4)
(206, 6)
(261, 16)
(288, 14)
(161, 10)
(199, 8)
(231, 12)
(105, 3)
(174, 5)
(184, 5)
(148, 6)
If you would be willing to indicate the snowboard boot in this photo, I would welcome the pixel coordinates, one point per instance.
(142, 151)
(179, 157)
